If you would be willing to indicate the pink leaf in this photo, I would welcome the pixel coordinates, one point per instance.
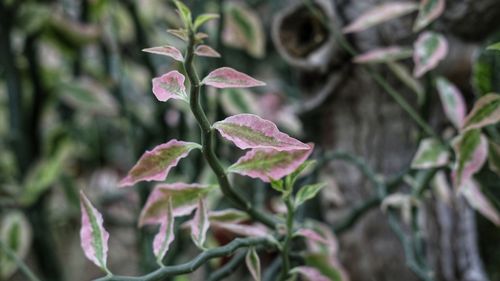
(387, 54)
(228, 215)
(94, 238)
(184, 198)
(486, 111)
(155, 165)
(251, 131)
(452, 101)
(253, 264)
(169, 51)
(312, 235)
(206, 51)
(430, 49)
(165, 236)
(429, 11)
(472, 192)
(328, 244)
(269, 164)
(310, 273)
(226, 77)
(200, 224)
(379, 14)
(257, 230)
(471, 151)
(170, 86)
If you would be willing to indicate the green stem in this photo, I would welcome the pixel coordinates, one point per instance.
(19, 262)
(285, 252)
(162, 273)
(228, 268)
(207, 140)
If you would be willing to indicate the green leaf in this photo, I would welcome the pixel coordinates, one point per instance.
(185, 13)
(307, 192)
(253, 264)
(430, 153)
(494, 157)
(243, 29)
(494, 47)
(203, 18)
(486, 111)
(307, 165)
(471, 149)
(15, 233)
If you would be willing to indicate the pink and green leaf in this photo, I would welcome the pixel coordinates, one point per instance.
(382, 55)
(486, 111)
(326, 265)
(251, 131)
(270, 164)
(309, 273)
(15, 234)
(246, 230)
(478, 200)
(93, 236)
(155, 165)
(307, 192)
(165, 236)
(228, 215)
(170, 86)
(429, 11)
(226, 77)
(452, 101)
(184, 198)
(471, 149)
(431, 153)
(253, 264)
(380, 14)
(311, 235)
(430, 49)
(200, 224)
(167, 50)
(206, 51)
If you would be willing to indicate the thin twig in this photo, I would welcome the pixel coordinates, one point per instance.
(191, 266)
(19, 262)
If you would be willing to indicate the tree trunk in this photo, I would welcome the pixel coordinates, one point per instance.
(351, 113)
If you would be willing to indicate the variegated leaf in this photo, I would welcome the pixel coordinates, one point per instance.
(16, 234)
(184, 12)
(170, 86)
(472, 192)
(309, 273)
(382, 55)
(228, 215)
(155, 165)
(328, 245)
(430, 49)
(206, 51)
(307, 192)
(471, 149)
(441, 187)
(429, 10)
(253, 264)
(431, 153)
(311, 235)
(93, 236)
(184, 198)
(269, 164)
(494, 157)
(247, 230)
(165, 236)
(243, 29)
(380, 14)
(486, 111)
(169, 51)
(494, 47)
(226, 77)
(452, 101)
(251, 131)
(200, 224)
(179, 33)
(404, 75)
(326, 265)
